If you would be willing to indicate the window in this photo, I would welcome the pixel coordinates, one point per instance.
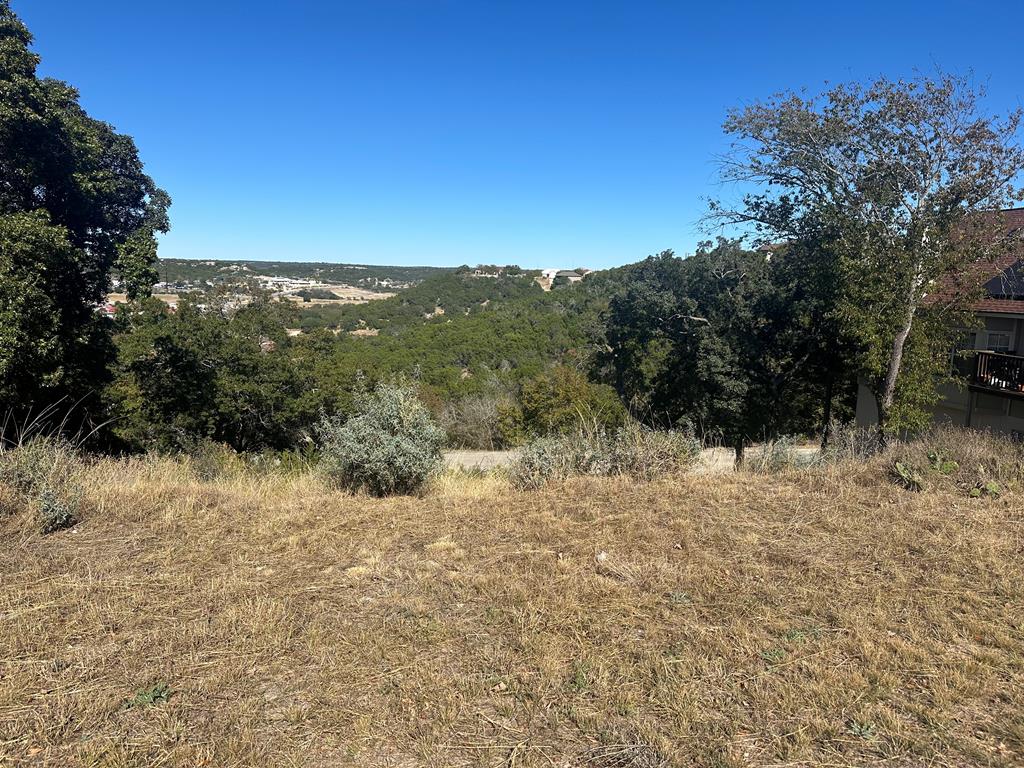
(999, 341)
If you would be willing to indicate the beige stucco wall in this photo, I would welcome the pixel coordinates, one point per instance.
(998, 413)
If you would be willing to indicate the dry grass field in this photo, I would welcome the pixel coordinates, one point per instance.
(347, 294)
(823, 617)
(166, 298)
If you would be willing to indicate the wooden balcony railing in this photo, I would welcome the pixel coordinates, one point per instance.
(994, 370)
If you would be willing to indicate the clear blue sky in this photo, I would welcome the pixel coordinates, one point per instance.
(464, 131)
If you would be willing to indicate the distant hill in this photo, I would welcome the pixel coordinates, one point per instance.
(451, 294)
(367, 276)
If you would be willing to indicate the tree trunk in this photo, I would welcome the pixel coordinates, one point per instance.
(888, 394)
(738, 447)
(826, 419)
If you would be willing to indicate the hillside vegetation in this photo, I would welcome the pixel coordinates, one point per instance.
(212, 370)
(826, 616)
(450, 295)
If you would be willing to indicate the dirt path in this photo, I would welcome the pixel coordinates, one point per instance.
(479, 459)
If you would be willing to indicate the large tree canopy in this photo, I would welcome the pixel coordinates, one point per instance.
(75, 205)
(729, 340)
(894, 182)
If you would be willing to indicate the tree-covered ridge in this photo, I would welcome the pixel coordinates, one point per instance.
(218, 371)
(443, 295)
(367, 276)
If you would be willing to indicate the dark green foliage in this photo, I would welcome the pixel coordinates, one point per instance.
(563, 400)
(231, 374)
(724, 340)
(74, 205)
(487, 352)
(316, 293)
(896, 185)
(209, 370)
(201, 372)
(453, 293)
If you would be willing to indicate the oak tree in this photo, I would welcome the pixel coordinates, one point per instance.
(75, 207)
(895, 182)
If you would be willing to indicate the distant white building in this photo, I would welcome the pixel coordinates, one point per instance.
(569, 274)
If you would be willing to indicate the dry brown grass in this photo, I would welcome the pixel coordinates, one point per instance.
(823, 617)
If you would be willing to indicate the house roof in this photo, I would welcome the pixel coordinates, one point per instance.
(1001, 306)
(1001, 278)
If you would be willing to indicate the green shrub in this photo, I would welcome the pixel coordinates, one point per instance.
(542, 461)
(562, 400)
(645, 453)
(29, 466)
(511, 429)
(391, 445)
(634, 451)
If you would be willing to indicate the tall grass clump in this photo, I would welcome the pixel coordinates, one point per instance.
(208, 460)
(978, 463)
(848, 442)
(633, 450)
(777, 455)
(41, 473)
(390, 446)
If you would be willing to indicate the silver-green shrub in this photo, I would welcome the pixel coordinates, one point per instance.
(542, 461)
(57, 507)
(390, 446)
(645, 453)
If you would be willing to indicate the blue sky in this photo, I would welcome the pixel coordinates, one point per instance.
(465, 131)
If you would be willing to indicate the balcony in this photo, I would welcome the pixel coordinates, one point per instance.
(996, 372)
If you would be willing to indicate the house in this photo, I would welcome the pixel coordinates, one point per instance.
(569, 274)
(990, 359)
